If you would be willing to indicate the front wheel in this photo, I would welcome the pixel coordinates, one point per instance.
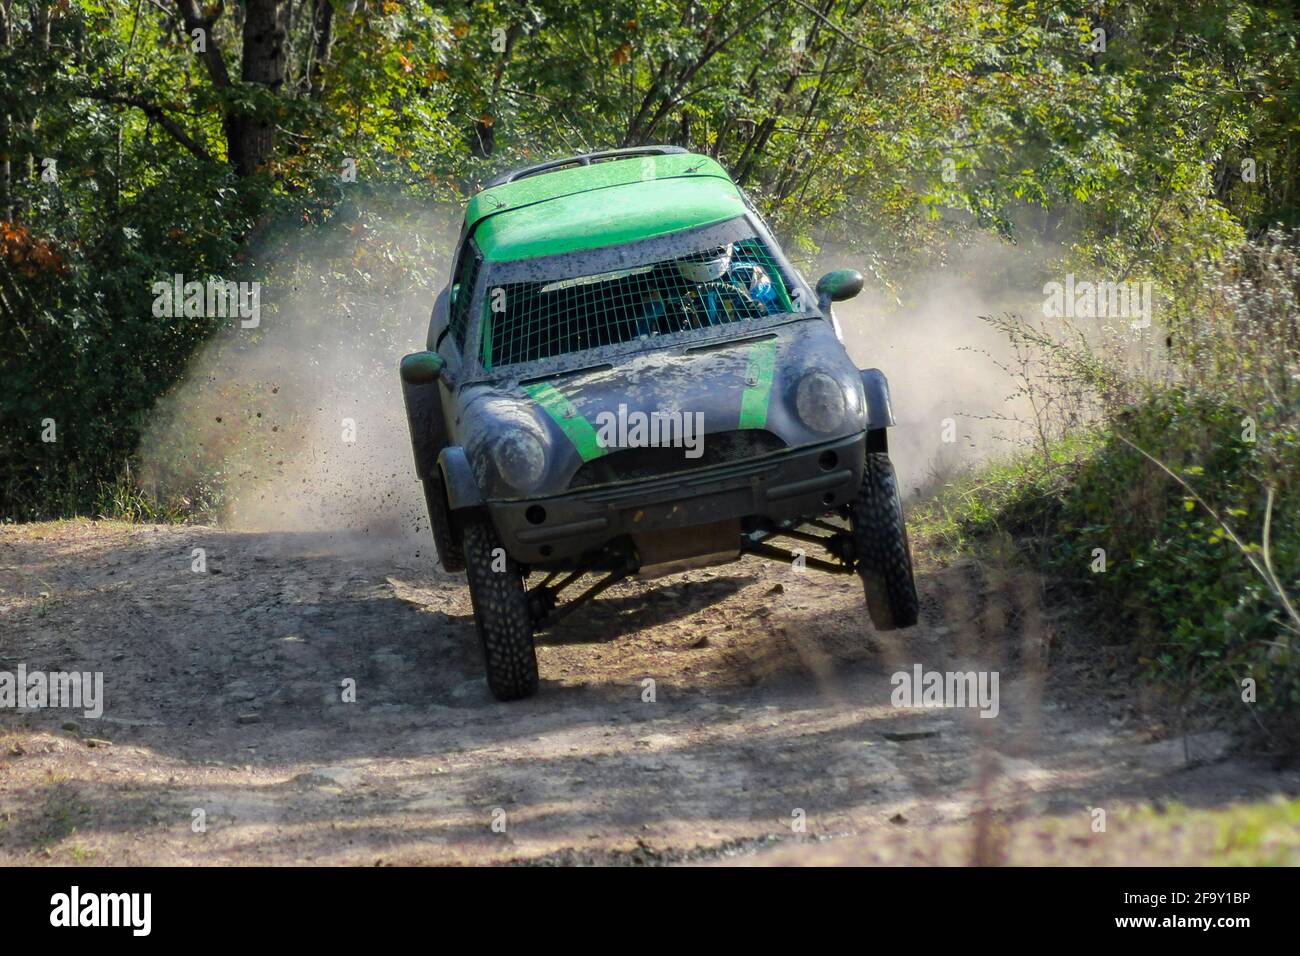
(505, 628)
(884, 558)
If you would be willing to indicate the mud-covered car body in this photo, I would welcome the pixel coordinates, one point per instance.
(759, 458)
(625, 374)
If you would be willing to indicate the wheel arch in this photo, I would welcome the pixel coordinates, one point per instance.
(880, 407)
(458, 479)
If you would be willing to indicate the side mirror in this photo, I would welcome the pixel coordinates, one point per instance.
(421, 368)
(839, 285)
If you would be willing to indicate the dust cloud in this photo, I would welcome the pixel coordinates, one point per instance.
(298, 425)
(954, 406)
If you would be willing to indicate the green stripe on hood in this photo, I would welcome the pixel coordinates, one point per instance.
(564, 414)
(758, 384)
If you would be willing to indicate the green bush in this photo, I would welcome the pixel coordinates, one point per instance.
(1174, 582)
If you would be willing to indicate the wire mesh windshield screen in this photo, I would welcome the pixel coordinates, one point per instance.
(527, 321)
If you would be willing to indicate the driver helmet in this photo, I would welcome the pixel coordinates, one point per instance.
(706, 266)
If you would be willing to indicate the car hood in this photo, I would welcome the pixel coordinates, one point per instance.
(748, 382)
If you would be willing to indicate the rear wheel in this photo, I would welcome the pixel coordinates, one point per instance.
(505, 628)
(884, 558)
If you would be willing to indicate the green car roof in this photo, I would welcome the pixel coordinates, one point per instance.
(604, 204)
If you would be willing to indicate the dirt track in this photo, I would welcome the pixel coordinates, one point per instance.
(772, 696)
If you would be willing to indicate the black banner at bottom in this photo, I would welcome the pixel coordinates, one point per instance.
(338, 905)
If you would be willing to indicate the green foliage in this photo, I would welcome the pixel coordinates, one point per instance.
(1202, 616)
(1015, 497)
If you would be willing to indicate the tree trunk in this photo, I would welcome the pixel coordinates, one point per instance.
(250, 142)
(322, 27)
(6, 163)
(252, 139)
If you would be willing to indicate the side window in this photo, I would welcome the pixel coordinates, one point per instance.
(462, 290)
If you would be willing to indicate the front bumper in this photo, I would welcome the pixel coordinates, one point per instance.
(786, 485)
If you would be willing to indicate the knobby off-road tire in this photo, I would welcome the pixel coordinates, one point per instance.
(880, 539)
(505, 628)
(450, 554)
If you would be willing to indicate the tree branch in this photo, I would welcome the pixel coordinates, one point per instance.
(155, 113)
(195, 20)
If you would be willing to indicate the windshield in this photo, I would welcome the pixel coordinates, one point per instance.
(559, 313)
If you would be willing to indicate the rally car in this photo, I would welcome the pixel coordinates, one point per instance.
(624, 375)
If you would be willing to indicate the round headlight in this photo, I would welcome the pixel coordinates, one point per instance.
(819, 400)
(520, 459)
